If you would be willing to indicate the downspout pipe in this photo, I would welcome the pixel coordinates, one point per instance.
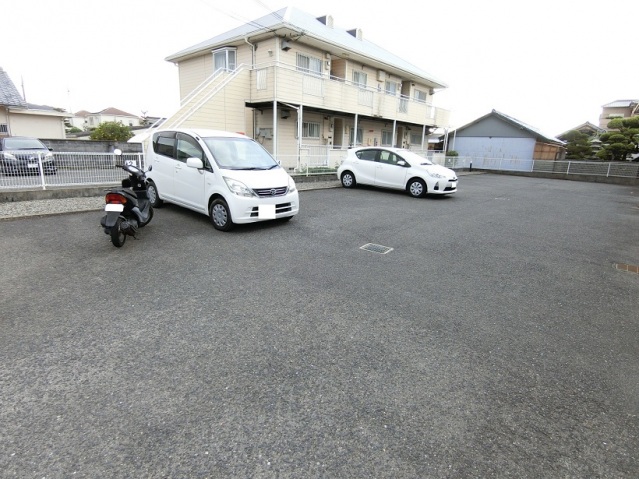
(252, 51)
(252, 66)
(394, 132)
(299, 110)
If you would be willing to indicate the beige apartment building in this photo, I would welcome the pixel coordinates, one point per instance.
(305, 89)
(617, 109)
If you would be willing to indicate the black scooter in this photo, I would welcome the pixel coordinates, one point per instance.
(127, 208)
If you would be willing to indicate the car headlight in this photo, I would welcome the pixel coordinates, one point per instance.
(9, 156)
(48, 157)
(239, 188)
(291, 185)
(435, 175)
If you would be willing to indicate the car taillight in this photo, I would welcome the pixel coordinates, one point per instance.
(115, 198)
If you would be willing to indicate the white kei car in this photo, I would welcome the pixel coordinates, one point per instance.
(396, 168)
(228, 176)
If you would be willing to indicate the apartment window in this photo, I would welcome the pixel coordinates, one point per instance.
(4, 128)
(420, 95)
(391, 88)
(415, 139)
(308, 64)
(261, 79)
(310, 129)
(360, 136)
(387, 138)
(359, 79)
(225, 59)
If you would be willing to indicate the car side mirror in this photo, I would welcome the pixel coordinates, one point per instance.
(402, 163)
(194, 163)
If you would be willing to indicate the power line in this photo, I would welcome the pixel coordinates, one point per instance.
(243, 19)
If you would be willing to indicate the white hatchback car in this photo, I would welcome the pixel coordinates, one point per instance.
(228, 176)
(396, 168)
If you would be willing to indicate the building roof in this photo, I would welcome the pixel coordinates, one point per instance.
(587, 126)
(621, 104)
(114, 111)
(107, 111)
(519, 124)
(293, 24)
(43, 110)
(9, 95)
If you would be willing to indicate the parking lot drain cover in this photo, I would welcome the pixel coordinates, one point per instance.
(627, 267)
(376, 248)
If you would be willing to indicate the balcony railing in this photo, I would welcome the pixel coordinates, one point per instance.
(285, 83)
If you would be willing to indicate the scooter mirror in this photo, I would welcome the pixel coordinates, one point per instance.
(117, 151)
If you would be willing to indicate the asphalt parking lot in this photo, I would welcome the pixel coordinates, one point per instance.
(496, 339)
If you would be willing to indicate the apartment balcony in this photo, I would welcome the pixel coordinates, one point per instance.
(285, 83)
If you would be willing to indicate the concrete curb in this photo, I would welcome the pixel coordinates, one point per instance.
(62, 201)
(56, 201)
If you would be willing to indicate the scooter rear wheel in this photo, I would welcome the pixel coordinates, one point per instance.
(117, 236)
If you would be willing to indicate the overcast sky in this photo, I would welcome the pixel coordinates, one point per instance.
(551, 64)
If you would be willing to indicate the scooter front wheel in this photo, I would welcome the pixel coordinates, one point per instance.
(117, 235)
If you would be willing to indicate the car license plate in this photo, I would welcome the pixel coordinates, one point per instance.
(266, 212)
(114, 207)
(32, 165)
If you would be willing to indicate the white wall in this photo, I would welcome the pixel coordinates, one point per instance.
(39, 126)
(495, 147)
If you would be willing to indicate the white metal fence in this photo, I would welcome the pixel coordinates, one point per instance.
(72, 169)
(565, 167)
(95, 169)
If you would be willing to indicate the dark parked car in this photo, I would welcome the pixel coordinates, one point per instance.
(21, 155)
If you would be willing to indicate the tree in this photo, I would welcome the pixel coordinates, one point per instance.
(578, 146)
(622, 141)
(111, 130)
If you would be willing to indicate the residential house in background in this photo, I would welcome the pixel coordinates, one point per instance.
(87, 121)
(500, 136)
(305, 89)
(19, 118)
(618, 109)
(587, 128)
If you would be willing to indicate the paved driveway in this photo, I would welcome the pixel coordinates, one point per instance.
(496, 339)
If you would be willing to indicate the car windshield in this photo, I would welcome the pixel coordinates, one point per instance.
(240, 154)
(23, 144)
(415, 159)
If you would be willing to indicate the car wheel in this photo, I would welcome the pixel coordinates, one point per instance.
(221, 215)
(416, 188)
(117, 236)
(348, 180)
(152, 193)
